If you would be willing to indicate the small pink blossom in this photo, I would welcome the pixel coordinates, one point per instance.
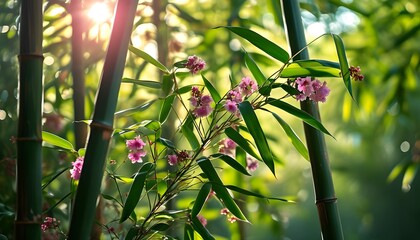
(195, 64)
(251, 164)
(77, 168)
(247, 86)
(49, 223)
(232, 219)
(136, 151)
(202, 111)
(136, 156)
(201, 103)
(355, 73)
(224, 211)
(321, 93)
(234, 95)
(172, 159)
(227, 146)
(305, 85)
(202, 219)
(231, 106)
(312, 89)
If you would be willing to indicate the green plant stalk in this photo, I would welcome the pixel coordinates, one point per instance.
(326, 200)
(29, 137)
(77, 71)
(102, 123)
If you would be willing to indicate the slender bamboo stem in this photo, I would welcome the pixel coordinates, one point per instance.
(102, 122)
(29, 138)
(323, 183)
(77, 70)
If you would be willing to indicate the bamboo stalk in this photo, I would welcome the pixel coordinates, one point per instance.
(102, 122)
(326, 200)
(29, 137)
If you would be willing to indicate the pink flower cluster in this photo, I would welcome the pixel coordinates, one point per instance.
(227, 146)
(200, 102)
(176, 158)
(136, 146)
(355, 73)
(235, 96)
(312, 89)
(231, 218)
(195, 64)
(251, 163)
(77, 168)
(49, 223)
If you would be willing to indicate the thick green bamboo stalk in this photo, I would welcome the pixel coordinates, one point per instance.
(102, 122)
(77, 71)
(326, 200)
(29, 137)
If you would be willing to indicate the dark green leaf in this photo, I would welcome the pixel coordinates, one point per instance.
(148, 58)
(133, 110)
(49, 179)
(304, 116)
(135, 191)
(160, 227)
(188, 232)
(242, 142)
(166, 143)
(188, 131)
(255, 70)
(231, 162)
(132, 233)
(145, 83)
(57, 141)
(198, 227)
(167, 83)
(250, 193)
(344, 65)
(257, 133)
(293, 138)
(213, 92)
(218, 187)
(201, 199)
(262, 43)
(166, 108)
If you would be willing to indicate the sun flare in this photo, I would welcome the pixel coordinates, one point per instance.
(99, 12)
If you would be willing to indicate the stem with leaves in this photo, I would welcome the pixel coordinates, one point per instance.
(29, 138)
(326, 200)
(102, 122)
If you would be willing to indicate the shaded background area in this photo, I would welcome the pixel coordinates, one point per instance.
(374, 158)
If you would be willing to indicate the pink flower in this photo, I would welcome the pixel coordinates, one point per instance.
(234, 95)
(251, 164)
(227, 146)
(247, 86)
(135, 147)
(231, 106)
(77, 168)
(355, 73)
(49, 223)
(312, 89)
(195, 64)
(202, 219)
(224, 211)
(202, 111)
(172, 159)
(305, 85)
(232, 219)
(321, 93)
(201, 103)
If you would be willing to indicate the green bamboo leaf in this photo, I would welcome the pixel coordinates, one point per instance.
(213, 92)
(188, 232)
(217, 186)
(57, 141)
(313, 68)
(167, 143)
(166, 108)
(262, 43)
(148, 58)
(242, 142)
(344, 65)
(293, 138)
(255, 70)
(167, 83)
(133, 110)
(132, 233)
(200, 199)
(135, 191)
(49, 179)
(250, 193)
(257, 133)
(200, 229)
(145, 83)
(304, 116)
(187, 130)
(409, 175)
(160, 227)
(396, 171)
(231, 162)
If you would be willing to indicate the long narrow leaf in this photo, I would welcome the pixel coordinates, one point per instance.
(135, 191)
(200, 199)
(304, 116)
(250, 193)
(213, 92)
(221, 191)
(231, 162)
(293, 138)
(255, 70)
(257, 133)
(148, 58)
(314, 68)
(57, 141)
(262, 43)
(133, 110)
(198, 227)
(145, 83)
(188, 232)
(344, 65)
(188, 131)
(242, 142)
(166, 108)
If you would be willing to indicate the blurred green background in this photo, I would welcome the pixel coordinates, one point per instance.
(376, 153)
